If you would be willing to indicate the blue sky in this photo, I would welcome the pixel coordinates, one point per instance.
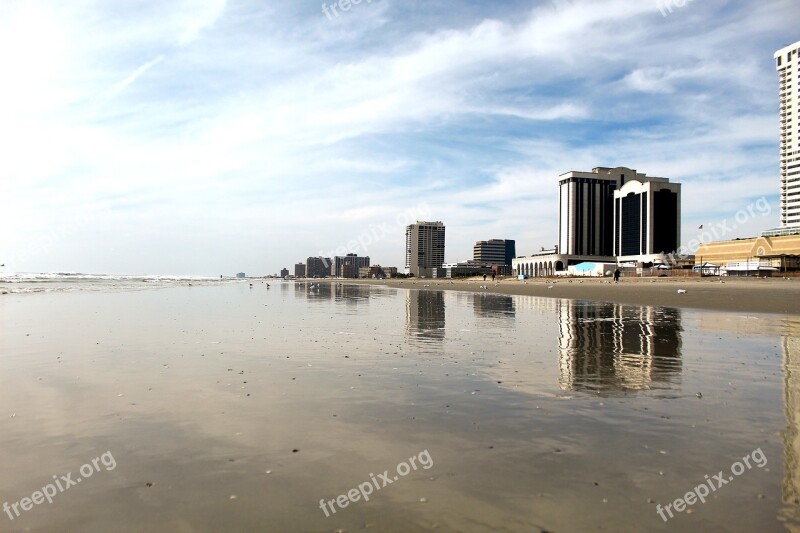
(210, 136)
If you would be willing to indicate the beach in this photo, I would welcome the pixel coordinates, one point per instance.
(200, 405)
(748, 295)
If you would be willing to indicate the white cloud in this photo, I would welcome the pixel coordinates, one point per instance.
(233, 127)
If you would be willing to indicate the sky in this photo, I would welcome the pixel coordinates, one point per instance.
(207, 137)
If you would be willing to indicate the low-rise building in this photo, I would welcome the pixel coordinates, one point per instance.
(466, 269)
(782, 253)
(377, 271)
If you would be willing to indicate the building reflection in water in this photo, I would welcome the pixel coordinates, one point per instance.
(609, 347)
(313, 290)
(791, 437)
(493, 306)
(351, 294)
(425, 315)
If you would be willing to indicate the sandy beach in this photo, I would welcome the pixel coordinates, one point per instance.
(227, 407)
(775, 295)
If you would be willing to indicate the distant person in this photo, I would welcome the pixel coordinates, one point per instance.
(493, 275)
(484, 277)
(616, 275)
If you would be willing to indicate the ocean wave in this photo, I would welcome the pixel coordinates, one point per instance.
(44, 277)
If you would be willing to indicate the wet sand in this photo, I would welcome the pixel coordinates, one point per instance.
(228, 408)
(776, 295)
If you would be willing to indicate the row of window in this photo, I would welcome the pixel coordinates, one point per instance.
(788, 56)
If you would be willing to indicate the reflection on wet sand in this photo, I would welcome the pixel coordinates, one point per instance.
(791, 436)
(493, 306)
(609, 347)
(312, 291)
(425, 315)
(332, 291)
(240, 406)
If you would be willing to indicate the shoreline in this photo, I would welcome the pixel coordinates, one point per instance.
(750, 295)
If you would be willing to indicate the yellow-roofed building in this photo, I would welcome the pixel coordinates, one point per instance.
(779, 252)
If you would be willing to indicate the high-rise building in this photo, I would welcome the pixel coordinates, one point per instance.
(495, 252)
(348, 266)
(647, 219)
(300, 270)
(610, 214)
(425, 248)
(587, 209)
(284, 272)
(318, 267)
(787, 62)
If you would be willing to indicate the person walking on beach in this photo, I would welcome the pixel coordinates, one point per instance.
(484, 277)
(616, 275)
(493, 276)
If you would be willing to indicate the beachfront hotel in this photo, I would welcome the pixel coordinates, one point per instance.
(647, 219)
(610, 215)
(611, 212)
(787, 63)
(425, 249)
(776, 249)
(586, 210)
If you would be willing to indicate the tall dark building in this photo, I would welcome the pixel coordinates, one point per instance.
(586, 210)
(300, 270)
(595, 220)
(318, 267)
(348, 266)
(495, 251)
(647, 218)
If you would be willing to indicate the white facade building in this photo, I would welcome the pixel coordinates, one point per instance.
(608, 213)
(787, 62)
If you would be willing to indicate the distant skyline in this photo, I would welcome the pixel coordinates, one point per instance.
(205, 137)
